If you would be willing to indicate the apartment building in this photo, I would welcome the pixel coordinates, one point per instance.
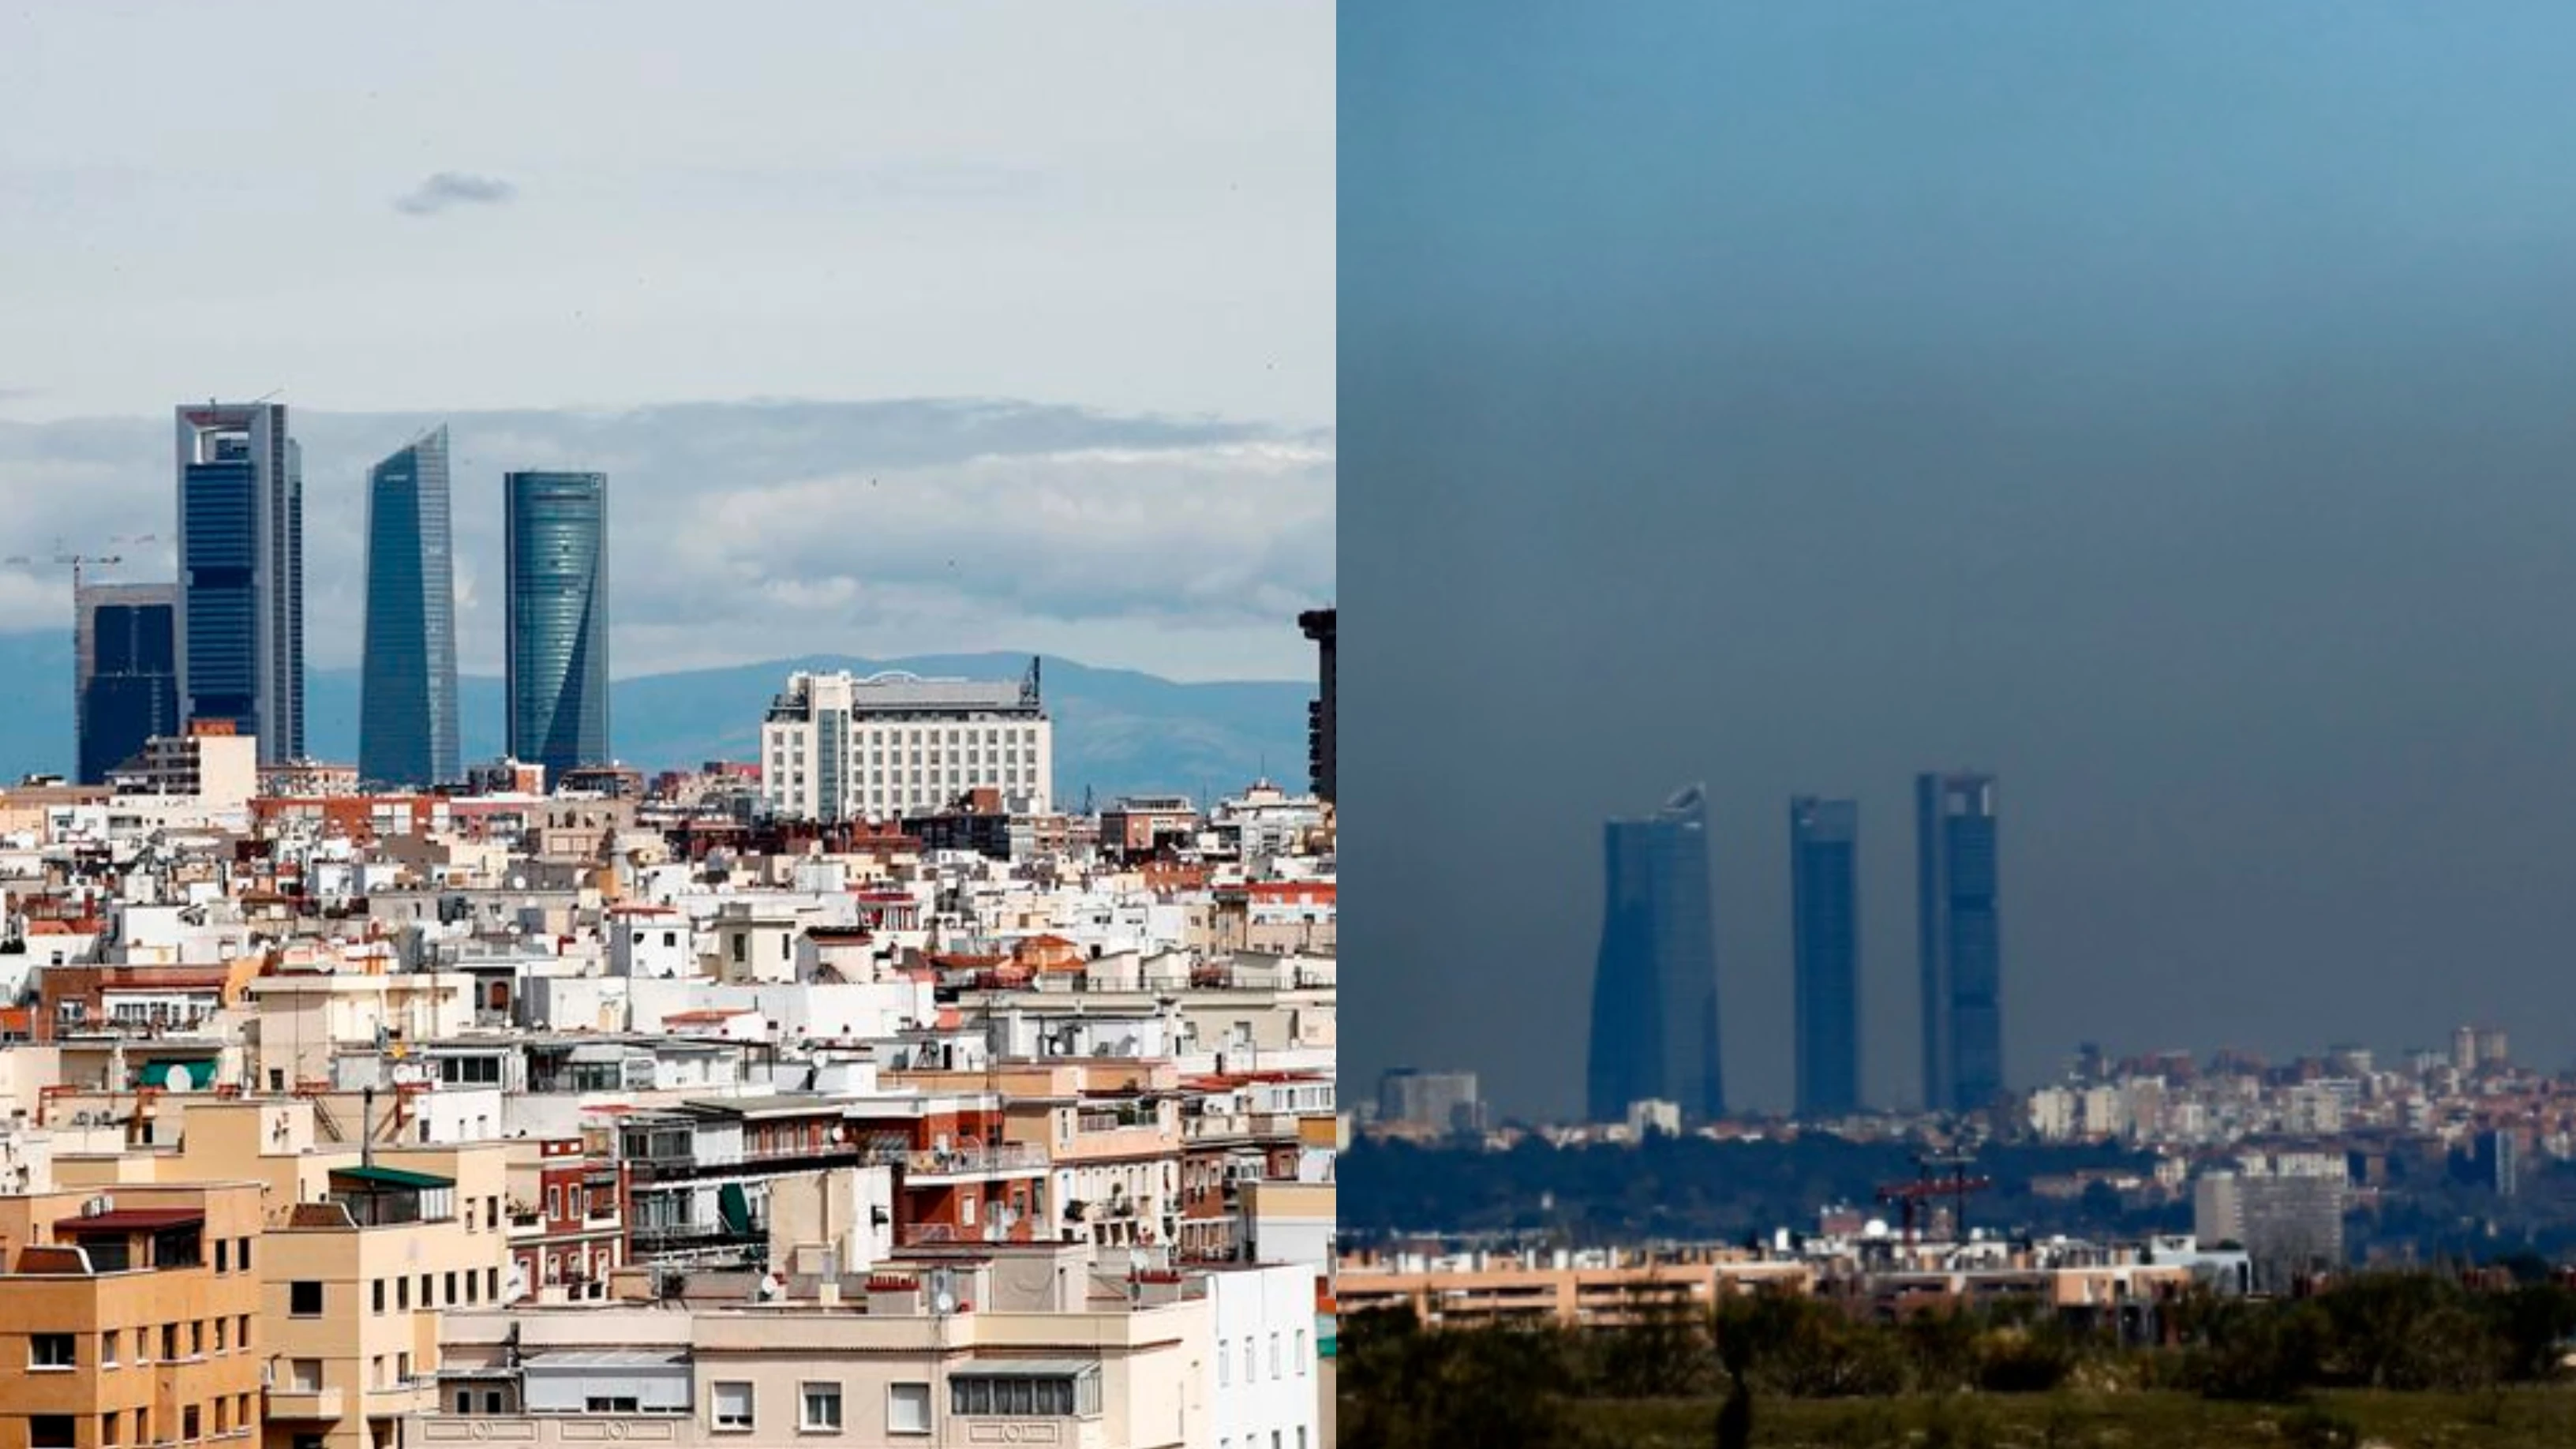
(131, 1317)
(1034, 1344)
(838, 748)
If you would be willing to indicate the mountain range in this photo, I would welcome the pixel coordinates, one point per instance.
(1117, 731)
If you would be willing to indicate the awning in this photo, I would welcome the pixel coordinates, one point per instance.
(393, 1177)
(733, 1206)
(179, 1076)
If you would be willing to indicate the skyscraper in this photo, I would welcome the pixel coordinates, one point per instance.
(407, 712)
(1320, 625)
(1654, 993)
(240, 616)
(556, 578)
(1961, 940)
(128, 663)
(1824, 892)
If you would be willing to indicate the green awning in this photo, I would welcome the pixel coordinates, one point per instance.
(393, 1177)
(179, 1076)
(733, 1206)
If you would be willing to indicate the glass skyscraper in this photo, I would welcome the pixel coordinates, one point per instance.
(1824, 891)
(556, 578)
(240, 617)
(128, 662)
(407, 713)
(1654, 991)
(1961, 941)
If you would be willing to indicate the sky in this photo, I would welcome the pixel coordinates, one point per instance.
(2165, 407)
(1058, 279)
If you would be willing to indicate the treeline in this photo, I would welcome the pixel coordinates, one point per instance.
(1695, 1188)
(1404, 1386)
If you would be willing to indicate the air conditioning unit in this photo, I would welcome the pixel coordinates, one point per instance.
(98, 1207)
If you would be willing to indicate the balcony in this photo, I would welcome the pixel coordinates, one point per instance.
(295, 1403)
(970, 1160)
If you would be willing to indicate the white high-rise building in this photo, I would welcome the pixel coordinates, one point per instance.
(837, 747)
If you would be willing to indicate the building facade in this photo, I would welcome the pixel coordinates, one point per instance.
(407, 714)
(836, 747)
(1824, 893)
(240, 618)
(128, 663)
(556, 654)
(1654, 993)
(1960, 939)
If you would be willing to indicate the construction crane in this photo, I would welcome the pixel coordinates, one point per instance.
(1939, 1175)
(77, 561)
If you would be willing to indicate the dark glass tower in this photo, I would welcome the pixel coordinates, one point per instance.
(1654, 994)
(1962, 942)
(407, 714)
(556, 575)
(240, 615)
(128, 689)
(1824, 891)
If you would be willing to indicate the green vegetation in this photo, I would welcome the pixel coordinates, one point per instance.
(2400, 1358)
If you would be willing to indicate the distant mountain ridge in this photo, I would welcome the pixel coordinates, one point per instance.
(1117, 731)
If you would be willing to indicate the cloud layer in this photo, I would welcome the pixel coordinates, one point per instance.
(754, 530)
(455, 188)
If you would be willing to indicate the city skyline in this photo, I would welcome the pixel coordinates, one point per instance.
(407, 730)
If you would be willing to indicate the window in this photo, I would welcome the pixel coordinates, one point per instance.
(1301, 1354)
(196, 1342)
(610, 1404)
(1024, 1396)
(50, 1431)
(908, 1408)
(473, 1288)
(304, 1375)
(1224, 1358)
(223, 1335)
(243, 1255)
(50, 1351)
(223, 1255)
(465, 1401)
(451, 1290)
(492, 1284)
(427, 1298)
(402, 1292)
(822, 1409)
(491, 1401)
(1274, 1356)
(169, 1342)
(554, 1203)
(304, 1300)
(189, 1428)
(402, 1368)
(111, 1344)
(241, 1332)
(1247, 1361)
(733, 1406)
(107, 1428)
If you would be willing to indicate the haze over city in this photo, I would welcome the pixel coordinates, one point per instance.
(2162, 409)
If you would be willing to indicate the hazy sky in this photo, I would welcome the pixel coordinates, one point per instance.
(562, 211)
(2169, 407)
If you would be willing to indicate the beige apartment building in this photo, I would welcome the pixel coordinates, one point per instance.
(1591, 1289)
(1007, 1344)
(130, 1319)
(364, 1248)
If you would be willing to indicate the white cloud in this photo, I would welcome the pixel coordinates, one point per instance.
(758, 530)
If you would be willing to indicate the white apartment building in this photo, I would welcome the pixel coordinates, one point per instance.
(837, 747)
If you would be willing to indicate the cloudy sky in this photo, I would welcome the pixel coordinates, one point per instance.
(2166, 406)
(900, 328)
